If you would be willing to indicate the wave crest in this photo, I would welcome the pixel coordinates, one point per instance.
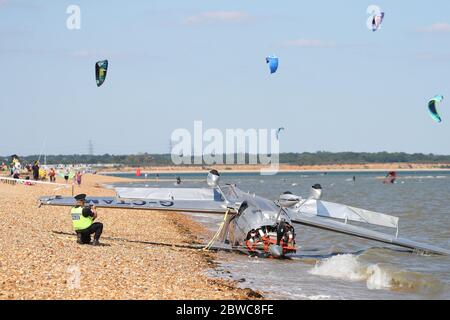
(376, 276)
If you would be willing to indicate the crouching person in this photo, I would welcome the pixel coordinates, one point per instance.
(83, 221)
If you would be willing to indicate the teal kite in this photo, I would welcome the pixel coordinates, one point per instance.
(432, 107)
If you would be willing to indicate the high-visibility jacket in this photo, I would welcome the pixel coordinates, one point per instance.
(79, 221)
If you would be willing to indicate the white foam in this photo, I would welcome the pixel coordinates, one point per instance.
(378, 278)
(347, 267)
(319, 297)
(343, 266)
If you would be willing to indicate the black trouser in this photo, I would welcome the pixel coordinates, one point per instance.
(96, 227)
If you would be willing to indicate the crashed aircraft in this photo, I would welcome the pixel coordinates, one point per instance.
(257, 224)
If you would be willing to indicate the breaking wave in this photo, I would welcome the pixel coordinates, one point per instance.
(376, 276)
(424, 177)
(313, 297)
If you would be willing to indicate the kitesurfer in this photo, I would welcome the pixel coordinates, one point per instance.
(390, 177)
(83, 221)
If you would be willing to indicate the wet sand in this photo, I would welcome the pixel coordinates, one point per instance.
(40, 259)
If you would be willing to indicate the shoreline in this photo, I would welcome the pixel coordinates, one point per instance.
(283, 169)
(110, 173)
(38, 252)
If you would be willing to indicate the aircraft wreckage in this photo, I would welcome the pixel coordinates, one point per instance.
(257, 224)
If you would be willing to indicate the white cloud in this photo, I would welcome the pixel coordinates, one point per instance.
(82, 53)
(433, 56)
(218, 16)
(436, 28)
(22, 4)
(308, 43)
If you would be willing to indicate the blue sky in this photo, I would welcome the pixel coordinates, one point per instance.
(339, 87)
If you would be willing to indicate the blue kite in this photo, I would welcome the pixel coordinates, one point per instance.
(273, 63)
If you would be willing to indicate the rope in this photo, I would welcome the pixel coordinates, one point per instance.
(210, 243)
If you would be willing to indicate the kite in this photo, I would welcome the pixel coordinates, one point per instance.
(376, 21)
(432, 107)
(273, 63)
(101, 67)
(278, 132)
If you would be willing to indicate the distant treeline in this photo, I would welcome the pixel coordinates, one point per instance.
(305, 158)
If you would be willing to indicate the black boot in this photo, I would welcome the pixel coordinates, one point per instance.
(79, 241)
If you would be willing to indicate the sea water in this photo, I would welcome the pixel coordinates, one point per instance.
(333, 266)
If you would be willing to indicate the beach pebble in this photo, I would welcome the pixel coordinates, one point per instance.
(40, 259)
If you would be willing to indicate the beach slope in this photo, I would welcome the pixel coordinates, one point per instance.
(40, 259)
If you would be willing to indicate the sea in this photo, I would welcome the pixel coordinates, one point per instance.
(334, 266)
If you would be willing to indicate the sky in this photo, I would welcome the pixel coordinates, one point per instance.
(339, 86)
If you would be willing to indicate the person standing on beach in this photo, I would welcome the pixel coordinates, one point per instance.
(83, 221)
(78, 176)
(35, 169)
(52, 175)
(66, 175)
(16, 174)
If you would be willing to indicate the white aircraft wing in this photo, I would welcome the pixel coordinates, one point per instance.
(341, 211)
(316, 221)
(164, 203)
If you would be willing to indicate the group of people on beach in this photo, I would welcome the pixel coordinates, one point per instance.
(37, 172)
